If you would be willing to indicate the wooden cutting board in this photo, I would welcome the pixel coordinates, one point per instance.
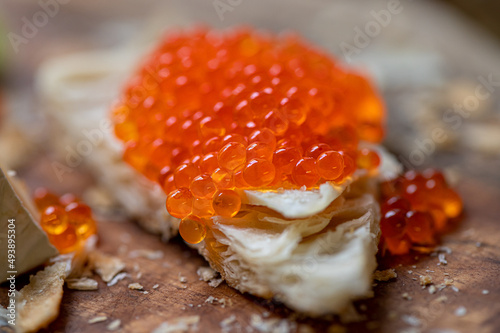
(468, 304)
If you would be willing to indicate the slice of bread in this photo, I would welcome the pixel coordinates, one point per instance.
(312, 250)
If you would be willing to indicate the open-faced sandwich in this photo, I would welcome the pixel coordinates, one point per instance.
(260, 150)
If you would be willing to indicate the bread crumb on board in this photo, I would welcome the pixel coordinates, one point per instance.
(106, 266)
(97, 319)
(425, 280)
(460, 311)
(178, 325)
(82, 284)
(114, 325)
(406, 296)
(385, 275)
(206, 273)
(135, 286)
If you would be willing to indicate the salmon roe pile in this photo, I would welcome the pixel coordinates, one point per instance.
(209, 113)
(416, 208)
(66, 220)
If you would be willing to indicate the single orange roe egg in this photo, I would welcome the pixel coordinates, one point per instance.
(80, 217)
(262, 103)
(212, 145)
(184, 175)
(263, 135)
(305, 172)
(209, 163)
(330, 165)
(211, 127)
(451, 203)
(276, 122)
(222, 178)
(396, 202)
(285, 159)
(239, 180)
(295, 110)
(66, 241)
(226, 203)
(54, 220)
(349, 166)
(202, 207)
(232, 156)
(180, 202)
(259, 172)
(439, 219)
(203, 186)
(234, 138)
(368, 159)
(67, 198)
(315, 150)
(192, 229)
(419, 227)
(43, 198)
(393, 223)
(398, 245)
(259, 150)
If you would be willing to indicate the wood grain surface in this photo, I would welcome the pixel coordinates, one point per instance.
(469, 303)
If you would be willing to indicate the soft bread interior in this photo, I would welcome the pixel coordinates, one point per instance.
(316, 265)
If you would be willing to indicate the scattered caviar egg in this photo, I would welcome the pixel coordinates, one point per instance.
(330, 165)
(396, 202)
(66, 241)
(393, 223)
(54, 220)
(67, 198)
(43, 198)
(398, 246)
(192, 229)
(427, 204)
(419, 227)
(80, 217)
(451, 203)
(259, 172)
(368, 159)
(226, 203)
(68, 222)
(439, 219)
(203, 186)
(180, 202)
(305, 173)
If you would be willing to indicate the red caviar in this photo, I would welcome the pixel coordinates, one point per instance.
(243, 110)
(416, 208)
(66, 220)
